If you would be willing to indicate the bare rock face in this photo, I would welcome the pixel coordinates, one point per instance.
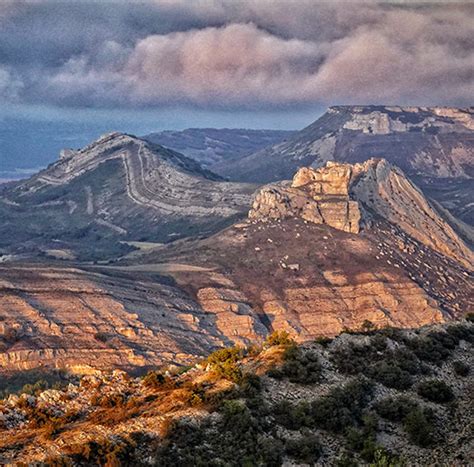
(385, 190)
(317, 196)
(346, 197)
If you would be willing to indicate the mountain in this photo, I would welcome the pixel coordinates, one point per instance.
(388, 397)
(212, 147)
(432, 145)
(118, 189)
(339, 246)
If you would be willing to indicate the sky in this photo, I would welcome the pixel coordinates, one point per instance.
(72, 70)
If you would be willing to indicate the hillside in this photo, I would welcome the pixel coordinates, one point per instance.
(213, 146)
(118, 189)
(386, 397)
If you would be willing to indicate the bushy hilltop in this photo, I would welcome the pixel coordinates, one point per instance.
(385, 398)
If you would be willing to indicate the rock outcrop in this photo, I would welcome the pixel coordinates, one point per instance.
(318, 196)
(346, 196)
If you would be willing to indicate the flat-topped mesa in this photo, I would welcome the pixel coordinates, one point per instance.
(345, 196)
(383, 120)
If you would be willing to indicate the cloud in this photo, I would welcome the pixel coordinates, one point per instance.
(246, 54)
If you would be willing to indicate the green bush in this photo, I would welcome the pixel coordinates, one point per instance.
(304, 449)
(225, 363)
(419, 426)
(429, 348)
(342, 407)
(299, 366)
(435, 391)
(324, 341)
(395, 409)
(292, 416)
(391, 375)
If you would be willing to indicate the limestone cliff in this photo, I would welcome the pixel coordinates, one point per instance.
(346, 197)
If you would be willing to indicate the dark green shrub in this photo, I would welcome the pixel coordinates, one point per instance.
(324, 341)
(461, 368)
(391, 375)
(304, 449)
(395, 409)
(299, 366)
(461, 331)
(250, 385)
(435, 391)
(292, 416)
(430, 349)
(342, 407)
(420, 427)
(470, 317)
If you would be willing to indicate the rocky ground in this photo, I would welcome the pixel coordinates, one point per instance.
(386, 397)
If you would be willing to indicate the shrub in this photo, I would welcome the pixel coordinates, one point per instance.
(304, 449)
(429, 348)
(342, 407)
(101, 336)
(419, 426)
(279, 338)
(109, 400)
(324, 341)
(250, 385)
(435, 391)
(461, 368)
(470, 317)
(391, 375)
(299, 366)
(460, 331)
(154, 379)
(225, 363)
(395, 409)
(292, 416)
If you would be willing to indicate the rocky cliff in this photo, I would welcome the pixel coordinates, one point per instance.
(346, 196)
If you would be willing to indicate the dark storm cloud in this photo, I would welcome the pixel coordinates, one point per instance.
(236, 54)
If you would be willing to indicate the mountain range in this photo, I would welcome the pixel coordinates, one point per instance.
(213, 147)
(128, 254)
